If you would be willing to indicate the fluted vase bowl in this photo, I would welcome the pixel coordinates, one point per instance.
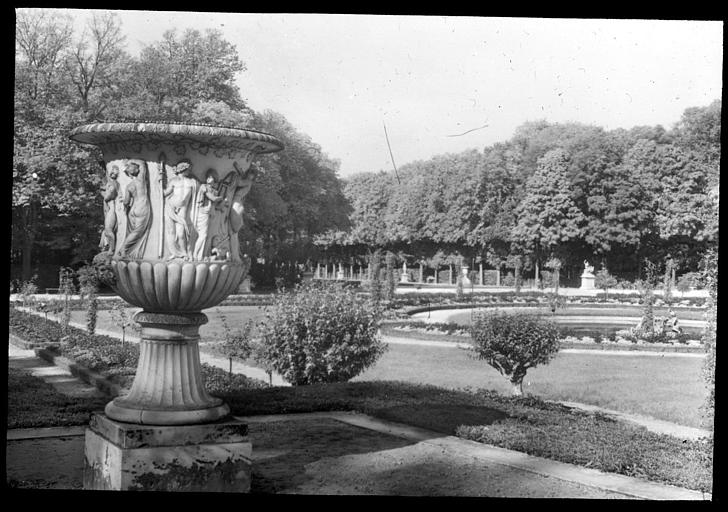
(173, 208)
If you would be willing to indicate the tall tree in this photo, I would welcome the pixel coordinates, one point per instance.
(174, 75)
(94, 62)
(547, 217)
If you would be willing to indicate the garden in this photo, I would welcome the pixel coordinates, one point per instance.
(324, 341)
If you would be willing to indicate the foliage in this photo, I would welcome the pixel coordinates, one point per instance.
(390, 276)
(220, 383)
(513, 343)
(88, 287)
(32, 403)
(604, 281)
(121, 318)
(710, 273)
(667, 281)
(547, 217)
(27, 291)
(321, 333)
(236, 344)
(65, 289)
(375, 282)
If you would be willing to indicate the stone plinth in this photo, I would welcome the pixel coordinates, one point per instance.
(214, 457)
(587, 281)
(245, 285)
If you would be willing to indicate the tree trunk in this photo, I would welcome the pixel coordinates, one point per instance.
(27, 268)
(517, 387)
(535, 278)
(557, 278)
(28, 242)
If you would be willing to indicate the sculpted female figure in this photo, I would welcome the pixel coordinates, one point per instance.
(179, 193)
(208, 197)
(111, 193)
(242, 187)
(138, 211)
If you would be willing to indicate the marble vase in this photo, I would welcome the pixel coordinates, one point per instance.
(173, 207)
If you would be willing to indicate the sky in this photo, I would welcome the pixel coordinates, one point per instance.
(447, 84)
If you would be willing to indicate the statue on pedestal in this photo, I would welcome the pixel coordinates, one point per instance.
(588, 269)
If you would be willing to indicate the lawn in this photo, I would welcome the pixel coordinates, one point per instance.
(666, 388)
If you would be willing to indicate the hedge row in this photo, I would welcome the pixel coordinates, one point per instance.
(106, 355)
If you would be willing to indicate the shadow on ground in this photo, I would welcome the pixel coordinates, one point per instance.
(442, 418)
(282, 450)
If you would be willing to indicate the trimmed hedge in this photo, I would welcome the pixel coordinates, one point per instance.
(106, 355)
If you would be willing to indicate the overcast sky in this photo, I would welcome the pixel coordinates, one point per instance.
(338, 78)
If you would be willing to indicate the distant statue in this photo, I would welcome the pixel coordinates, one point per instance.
(178, 194)
(243, 183)
(588, 269)
(138, 211)
(208, 196)
(111, 194)
(670, 323)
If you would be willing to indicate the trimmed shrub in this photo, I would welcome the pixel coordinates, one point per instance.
(321, 333)
(513, 343)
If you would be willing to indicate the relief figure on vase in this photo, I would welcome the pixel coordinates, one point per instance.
(208, 196)
(178, 197)
(138, 211)
(243, 183)
(110, 195)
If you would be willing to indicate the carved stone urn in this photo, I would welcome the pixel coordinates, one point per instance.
(173, 205)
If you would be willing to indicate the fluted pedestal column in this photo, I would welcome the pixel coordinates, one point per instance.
(168, 388)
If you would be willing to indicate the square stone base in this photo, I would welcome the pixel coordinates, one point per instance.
(587, 283)
(213, 457)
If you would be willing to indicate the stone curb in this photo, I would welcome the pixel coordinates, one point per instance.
(22, 434)
(90, 377)
(629, 486)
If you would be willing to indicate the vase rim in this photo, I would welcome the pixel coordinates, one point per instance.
(209, 134)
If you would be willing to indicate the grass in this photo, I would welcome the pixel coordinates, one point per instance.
(669, 388)
(32, 402)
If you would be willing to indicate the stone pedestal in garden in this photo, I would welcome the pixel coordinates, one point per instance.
(173, 204)
(588, 277)
(245, 285)
(212, 457)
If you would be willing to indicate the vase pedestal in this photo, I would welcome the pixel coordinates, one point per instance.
(213, 457)
(168, 433)
(168, 388)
